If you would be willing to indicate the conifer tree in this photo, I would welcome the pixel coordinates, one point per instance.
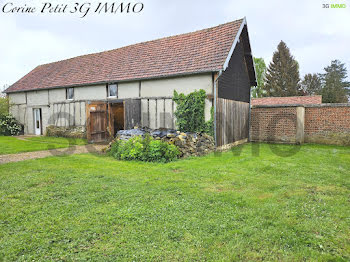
(282, 78)
(334, 83)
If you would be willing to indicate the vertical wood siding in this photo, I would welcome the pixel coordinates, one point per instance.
(234, 82)
(132, 113)
(158, 112)
(232, 121)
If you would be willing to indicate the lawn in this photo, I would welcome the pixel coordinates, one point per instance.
(13, 145)
(249, 204)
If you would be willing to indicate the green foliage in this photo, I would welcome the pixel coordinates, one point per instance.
(190, 112)
(311, 84)
(334, 83)
(4, 106)
(260, 69)
(9, 126)
(144, 149)
(282, 77)
(209, 125)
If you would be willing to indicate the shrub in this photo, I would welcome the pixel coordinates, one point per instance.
(190, 112)
(144, 149)
(209, 125)
(9, 126)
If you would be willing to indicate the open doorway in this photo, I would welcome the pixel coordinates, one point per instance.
(37, 121)
(116, 117)
(105, 119)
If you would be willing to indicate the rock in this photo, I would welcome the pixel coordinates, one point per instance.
(189, 144)
(69, 132)
(131, 132)
(181, 137)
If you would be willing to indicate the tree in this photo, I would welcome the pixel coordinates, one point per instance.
(260, 69)
(282, 78)
(4, 102)
(4, 106)
(2, 94)
(311, 84)
(334, 83)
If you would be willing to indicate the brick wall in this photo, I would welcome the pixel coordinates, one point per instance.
(273, 124)
(325, 124)
(328, 124)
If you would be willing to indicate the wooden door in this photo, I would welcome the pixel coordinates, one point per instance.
(96, 126)
(132, 112)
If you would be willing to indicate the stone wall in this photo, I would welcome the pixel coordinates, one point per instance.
(189, 144)
(69, 132)
(324, 123)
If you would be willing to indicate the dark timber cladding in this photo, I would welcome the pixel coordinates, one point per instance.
(232, 103)
(234, 82)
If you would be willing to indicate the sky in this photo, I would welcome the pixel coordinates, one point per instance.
(315, 35)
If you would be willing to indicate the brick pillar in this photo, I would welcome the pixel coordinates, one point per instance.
(300, 124)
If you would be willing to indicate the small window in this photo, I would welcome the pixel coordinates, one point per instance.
(112, 90)
(70, 93)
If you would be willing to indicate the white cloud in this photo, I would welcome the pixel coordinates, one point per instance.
(315, 35)
(23, 49)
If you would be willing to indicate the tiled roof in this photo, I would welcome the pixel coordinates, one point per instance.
(289, 100)
(201, 51)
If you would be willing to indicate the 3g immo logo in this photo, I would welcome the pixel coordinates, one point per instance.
(334, 5)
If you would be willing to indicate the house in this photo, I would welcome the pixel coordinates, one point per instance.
(288, 100)
(133, 85)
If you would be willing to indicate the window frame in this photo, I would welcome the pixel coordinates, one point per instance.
(67, 93)
(108, 90)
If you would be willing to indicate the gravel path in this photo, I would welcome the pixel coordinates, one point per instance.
(53, 152)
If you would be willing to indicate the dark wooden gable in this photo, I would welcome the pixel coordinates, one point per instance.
(235, 82)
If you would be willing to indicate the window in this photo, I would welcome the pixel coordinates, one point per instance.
(112, 90)
(70, 93)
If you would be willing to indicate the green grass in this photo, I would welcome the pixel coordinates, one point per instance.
(237, 206)
(13, 145)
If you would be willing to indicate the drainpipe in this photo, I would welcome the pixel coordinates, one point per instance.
(215, 96)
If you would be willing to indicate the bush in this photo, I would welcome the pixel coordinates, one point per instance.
(190, 113)
(209, 125)
(9, 126)
(144, 149)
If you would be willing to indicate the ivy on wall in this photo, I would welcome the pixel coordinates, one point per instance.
(189, 112)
